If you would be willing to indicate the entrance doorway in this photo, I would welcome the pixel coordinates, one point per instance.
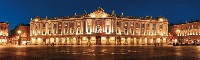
(78, 40)
(98, 40)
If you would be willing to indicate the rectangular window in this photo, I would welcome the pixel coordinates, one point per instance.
(153, 32)
(107, 29)
(60, 24)
(54, 25)
(71, 24)
(65, 39)
(43, 25)
(131, 31)
(88, 29)
(143, 25)
(98, 22)
(160, 31)
(126, 31)
(137, 25)
(36, 26)
(36, 32)
(118, 23)
(43, 31)
(32, 31)
(142, 31)
(65, 30)
(117, 29)
(59, 31)
(137, 31)
(65, 24)
(50, 25)
(71, 30)
(49, 30)
(78, 29)
(54, 31)
(98, 29)
(153, 25)
(161, 26)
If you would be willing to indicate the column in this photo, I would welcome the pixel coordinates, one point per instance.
(122, 26)
(102, 26)
(114, 25)
(134, 29)
(93, 26)
(75, 27)
(84, 26)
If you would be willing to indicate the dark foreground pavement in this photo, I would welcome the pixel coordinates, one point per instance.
(99, 53)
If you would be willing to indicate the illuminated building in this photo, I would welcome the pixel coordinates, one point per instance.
(185, 33)
(3, 32)
(24, 34)
(99, 28)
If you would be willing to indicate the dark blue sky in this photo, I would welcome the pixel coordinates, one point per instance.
(21, 11)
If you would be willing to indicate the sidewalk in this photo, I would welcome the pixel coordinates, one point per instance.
(71, 45)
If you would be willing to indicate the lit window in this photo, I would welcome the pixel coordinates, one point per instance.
(137, 25)
(78, 29)
(72, 24)
(54, 31)
(117, 29)
(59, 31)
(71, 30)
(131, 31)
(49, 30)
(60, 24)
(118, 23)
(98, 22)
(88, 29)
(43, 25)
(107, 29)
(54, 25)
(154, 25)
(43, 32)
(126, 31)
(98, 28)
(65, 30)
(161, 26)
(143, 25)
(36, 26)
(147, 25)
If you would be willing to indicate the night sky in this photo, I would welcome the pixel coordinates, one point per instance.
(21, 11)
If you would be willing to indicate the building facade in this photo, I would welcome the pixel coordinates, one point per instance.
(185, 33)
(99, 28)
(23, 37)
(3, 33)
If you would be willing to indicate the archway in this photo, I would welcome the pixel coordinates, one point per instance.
(98, 40)
(118, 41)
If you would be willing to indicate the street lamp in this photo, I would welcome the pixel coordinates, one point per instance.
(19, 41)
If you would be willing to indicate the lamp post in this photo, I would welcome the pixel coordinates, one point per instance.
(19, 41)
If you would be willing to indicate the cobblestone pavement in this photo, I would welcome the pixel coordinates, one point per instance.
(99, 53)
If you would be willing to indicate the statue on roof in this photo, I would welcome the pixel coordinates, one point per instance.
(113, 13)
(99, 12)
(85, 12)
(99, 9)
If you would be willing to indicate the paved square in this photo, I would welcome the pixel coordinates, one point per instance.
(99, 53)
